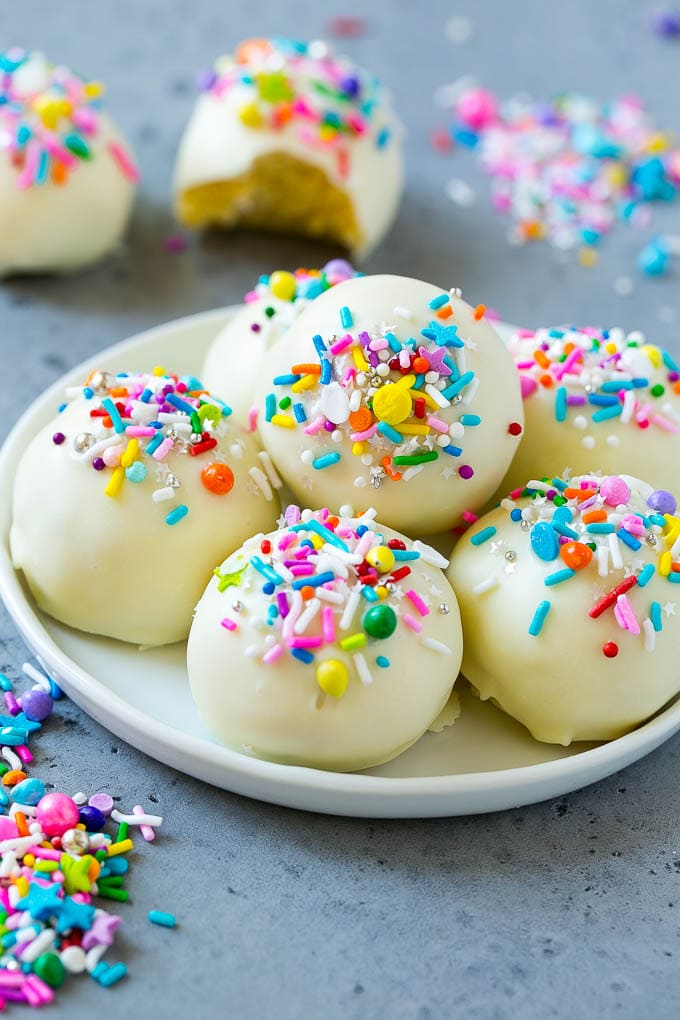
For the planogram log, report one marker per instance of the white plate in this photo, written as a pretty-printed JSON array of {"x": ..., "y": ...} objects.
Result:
[{"x": 486, "y": 762}]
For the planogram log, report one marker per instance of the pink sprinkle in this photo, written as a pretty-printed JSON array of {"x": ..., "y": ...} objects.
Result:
[
  {"x": 24, "y": 753},
  {"x": 229, "y": 624},
  {"x": 437, "y": 423},
  {"x": 664, "y": 423},
  {"x": 274, "y": 653},
  {"x": 412, "y": 623},
  {"x": 470, "y": 518},
  {"x": 288, "y": 539},
  {"x": 328, "y": 624},
  {"x": 139, "y": 431},
  {"x": 405, "y": 358},
  {"x": 164, "y": 448},
  {"x": 252, "y": 419},
  {"x": 341, "y": 344},
  {"x": 527, "y": 386},
  {"x": 11, "y": 703},
  {"x": 380, "y": 344},
  {"x": 305, "y": 642},
  {"x": 125, "y": 164},
  {"x": 292, "y": 515},
  {"x": 415, "y": 598},
  {"x": 147, "y": 831},
  {"x": 44, "y": 854},
  {"x": 569, "y": 362},
  {"x": 314, "y": 426},
  {"x": 441, "y": 140},
  {"x": 625, "y": 616},
  {"x": 25, "y": 178},
  {"x": 358, "y": 437}
]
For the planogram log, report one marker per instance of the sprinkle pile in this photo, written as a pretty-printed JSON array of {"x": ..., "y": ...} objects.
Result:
[
  {"x": 49, "y": 117},
  {"x": 318, "y": 573},
  {"x": 392, "y": 398},
  {"x": 285, "y": 295},
  {"x": 568, "y": 169},
  {"x": 55, "y": 859},
  {"x": 605, "y": 376},
  {"x": 614, "y": 525},
  {"x": 282, "y": 83},
  {"x": 142, "y": 422}
]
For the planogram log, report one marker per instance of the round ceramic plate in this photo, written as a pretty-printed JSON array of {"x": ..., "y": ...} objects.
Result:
[{"x": 485, "y": 762}]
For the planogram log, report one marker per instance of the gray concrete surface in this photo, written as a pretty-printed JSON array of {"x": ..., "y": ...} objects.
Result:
[{"x": 564, "y": 909}]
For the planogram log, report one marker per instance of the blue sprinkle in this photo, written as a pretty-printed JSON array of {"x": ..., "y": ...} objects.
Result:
[
  {"x": 655, "y": 616},
  {"x": 327, "y": 460},
  {"x": 368, "y": 593},
  {"x": 382, "y": 661},
  {"x": 561, "y": 516},
  {"x": 88, "y": 393},
  {"x": 346, "y": 319},
  {"x": 453, "y": 451},
  {"x": 483, "y": 536},
  {"x": 181, "y": 405},
  {"x": 470, "y": 420},
  {"x": 561, "y": 403},
  {"x": 539, "y": 618},
  {"x": 395, "y": 344},
  {"x": 286, "y": 380},
  {"x": 544, "y": 541},
  {"x": 319, "y": 346},
  {"x": 558, "y": 577},
  {"x": 559, "y": 484},
  {"x": 154, "y": 443},
  {"x": 146, "y": 395},
  {"x": 303, "y": 655},
  {"x": 269, "y": 406},
  {"x": 657, "y": 519},
  {"x": 315, "y": 581},
  {"x": 438, "y": 302},
  {"x": 630, "y": 540},
  {"x": 602, "y": 528},
  {"x": 669, "y": 362},
  {"x": 608, "y": 412},
  {"x": 389, "y": 433},
  {"x": 405, "y": 554},
  {"x": 267, "y": 572},
  {"x": 600, "y": 400},
  {"x": 269, "y": 588},
  {"x": 5, "y": 683},
  {"x": 383, "y": 137},
  {"x": 645, "y": 575},
  {"x": 177, "y": 514},
  {"x": 460, "y": 384},
  {"x": 160, "y": 917},
  {"x": 516, "y": 514},
  {"x": 325, "y": 533},
  {"x": 299, "y": 412},
  {"x": 326, "y": 373},
  {"x": 112, "y": 411},
  {"x": 136, "y": 472},
  {"x": 613, "y": 386},
  {"x": 673, "y": 577}
]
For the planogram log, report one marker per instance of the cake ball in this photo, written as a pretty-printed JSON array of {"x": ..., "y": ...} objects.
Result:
[
  {"x": 125, "y": 501},
  {"x": 333, "y": 642},
  {"x": 392, "y": 393},
  {"x": 285, "y": 136},
  {"x": 568, "y": 600},
  {"x": 596, "y": 400},
  {"x": 236, "y": 356},
  {"x": 67, "y": 179}
]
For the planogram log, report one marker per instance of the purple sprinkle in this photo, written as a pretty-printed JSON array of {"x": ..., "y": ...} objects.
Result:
[
  {"x": 256, "y": 327},
  {"x": 174, "y": 244},
  {"x": 673, "y": 376},
  {"x": 206, "y": 80},
  {"x": 282, "y": 603},
  {"x": 98, "y": 464},
  {"x": 465, "y": 471},
  {"x": 576, "y": 400},
  {"x": 58, "y": 438},
  {"x": 666, "y": 22},
  {"x": 329, "y": 426}
]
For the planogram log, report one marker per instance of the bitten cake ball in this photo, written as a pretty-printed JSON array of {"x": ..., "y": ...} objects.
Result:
[
  {"x": 67, "y": 179},
  {"x": 568, "y": 599},
  {"x": 389, "y": 392},
  {"x": 127, "y": 499},
  {"x": 596, "y": 401},
  {"x": 333, "y": 643},
  {"x": 288, "y": 137},
  {"x": 238, "y": 354}
]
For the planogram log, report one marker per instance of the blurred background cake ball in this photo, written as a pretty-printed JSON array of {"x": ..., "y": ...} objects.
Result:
[
  {"x": 596, "y": 400},
  {"x": 125, "y": 502},
  {"x": 67, "y": 178},
  {"x": 286, "y": 136},
  {"x": 568, "y": 601},
  {"x": 333, "y": 642},
  {"x": 238, "y": 354},
  {"x": 389, "y": 392}
]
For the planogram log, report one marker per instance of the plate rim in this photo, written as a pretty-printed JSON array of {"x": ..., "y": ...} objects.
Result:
[{"x": 289, "y": 783}]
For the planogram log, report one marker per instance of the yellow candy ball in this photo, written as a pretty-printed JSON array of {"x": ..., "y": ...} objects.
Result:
[
  {"x": 392, "y": 404},
  {"x": 381, "y": 591},
  {"x": 381, "y": 558},
  {"x": 332, "y": 677},
  {"x": 250, "y": 115},
  {"x": 282, "y": 285},
  {"x": 654, "y": 355}
]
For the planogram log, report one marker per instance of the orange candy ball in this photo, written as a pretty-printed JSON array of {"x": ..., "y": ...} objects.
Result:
[
  {"x": 361, "y": 420},
  {"x": 218, "y": 478},
  {"x": 420, "y": 365},
  {"x": 576, "y": 555}
]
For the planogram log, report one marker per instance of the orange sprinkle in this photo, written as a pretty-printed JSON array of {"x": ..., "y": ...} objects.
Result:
[
  {"x": 594, "y": 515},
  {"x": 307, "y": 592},
  {"x": 106, "y": 421},
  {"x": 576, "y": 555},
  {"x": 542, "y": 358},
  {"x": 118, "y": 391},
  {"x": 568, "y": 347},
  {"x": 480, "y": 312},
  {"x": 394, "y": 475},
  {"x": 579, "y": 494},
  {"x": 59, "y": 173},
  {"x": 445, "y": 312},
  {"x": 676, "y": 386},
  {"x": 218, "y": 478},
  {"x": 93, "y": 870},
  {"x": 546, "y": 380},
  {"x": 21, "y": 824},
  {"x": 332, "y": 522},
  {"x": 306, "y": 369},
  {"x": 675, "y": 568},
  {"x": 13, "y": 777},
  {"x": 361, "y": 420}
]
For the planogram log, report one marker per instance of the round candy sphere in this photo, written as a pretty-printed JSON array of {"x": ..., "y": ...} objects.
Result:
[
  {"x": 8, "y": 829},
  {"x": 56, "y": 813},
  {"x": 36, "y": 704},
  {"x": 93, "y": 819}
]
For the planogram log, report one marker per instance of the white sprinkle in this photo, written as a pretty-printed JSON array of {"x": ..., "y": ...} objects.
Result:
[
  {"x": 37, "y": 677},
  {"x": 287, "y": 627},
  {"x": 628, "y": 406},
  {"x": 508, "y": 504},
  {"x": 471, "y": 391},
  {"x": 159, "y": 495},
  {"x": 488, "y": 584},
  {"x": 430, "y": 555},
  {"x": 260, "y": 479},
  {"x": 460, "y": 193},
  {"x": 236, "y": 450},
  {"x": 328, "y": 596},
  {"x": 649, "y": 634},
  {"x": 12, "y": 759},
  {"x": 623, "y": 286},
  {"x": 439, "y": 400},
  {"x": 362, "y": 669},
  {"x": 40, "y": 944},
  {"x": 603, "y": 560},
  {"x": 675, "y": 548},
  {"x": 79, "y": 798},
  {"x": 580, "y": 422},
  {"x": 304, "y": 619},
  {"x": 615, "y": 550},
  {"x": 350, "y": 610},
  {"x": 368, "y": 517},
  {"x": 412, "y": 471},
  {"x": 152, "y": 820},
  {"x": 251, "y": 652},
  {"x": 270, "y": 470},
  {"x": 436, "y": 646},
  {"x": 459, "y": 28},
  {"x": 359, "y": 482},
  {"x": 94, "y": 956},
  {"x": 19, "y": 845},
  {"x": 403, "y": 313},
  {"x": 9, "y": 865},
  {"x": 613, "y": 441},
  {"x": 588, "y": 442}
]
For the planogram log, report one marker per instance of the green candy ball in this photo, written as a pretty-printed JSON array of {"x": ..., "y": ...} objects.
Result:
[
  {"x": 49, "y": 967},
  {"x": 380, "y": 621}
]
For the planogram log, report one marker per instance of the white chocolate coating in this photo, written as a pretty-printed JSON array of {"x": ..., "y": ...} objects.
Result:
[
  {"x": 50, "y": 227},
  {"x": 111, "y": 565},
  {"x": 644, "y": 438},
  {"x": 218, "y": 146},
  {"x": 430, "y": 496},
  {"x": 559, "y": 683},
  {"x": 277, "y": 710}
]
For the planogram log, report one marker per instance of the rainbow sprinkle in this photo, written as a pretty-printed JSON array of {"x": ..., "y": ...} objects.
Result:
[
  {"x": 329, "y": 583},
  {"x": 49, "y": 118},
  {"x": 283, "y": 84}
]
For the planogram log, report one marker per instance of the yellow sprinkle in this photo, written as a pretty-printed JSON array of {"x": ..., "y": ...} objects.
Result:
[
  {"x": 415, "y": 430},
  {"x": 358, "y": 449},
  {"x": 654, "y": 355},
  {"x": 131, "y": 451},
  {"x": 587, "y": 257},
  {"x": 115, "y": 483},
  {"x": 381, "y": 591},
  {"x": 359, "y": 359},
  {"x": 159, "y": 370},
  {"x": 316, "y": 541},
  {"x": 671, "y": 529},
  {"x": 284, "y": 421},
  {"x": 29, "y": 860},
  {"x": 250, "y": 115},
  {"x": 120, "y": 848},
  {"x": 406, "y": 381},
  {"x": 94, "y": 89},
  {"x": 610, "y": 347},
  {"x": 22, "y": 885},
  {"x": 657, "y": 143},
  {"x": 427, "y": 398},
  {"x": 665, "y": 562},
  {"x": 308, "y": 382}
]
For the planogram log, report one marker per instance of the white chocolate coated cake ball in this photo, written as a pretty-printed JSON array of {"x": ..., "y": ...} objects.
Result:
[
  {"x": 332, "y": 643},
  {"x": 287, "y": 137},
  {"x": 125, "y": 502},
  {"x": 236, "y": 357},
  {"x": 568, "y": 601},
  {"x": 596, "y": 400},
  {"x": 391, "y": 393},
  {"x": 67, "y": 179}
]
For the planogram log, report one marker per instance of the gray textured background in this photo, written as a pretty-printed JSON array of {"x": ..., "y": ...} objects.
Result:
[{"x": 564, "y": 909}]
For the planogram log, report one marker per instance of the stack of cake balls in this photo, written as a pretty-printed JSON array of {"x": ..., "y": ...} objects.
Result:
[{"x": 375, "y": 410}]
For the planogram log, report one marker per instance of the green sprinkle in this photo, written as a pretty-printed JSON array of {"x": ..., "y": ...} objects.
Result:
[
  {"x": 354, "y": 641},
  {"x": 657, "y": 390},
  {"x": 122, "y": 832},
  {"x": 417, "y": 458},
  {"x": 107, "y": 893},
  {"x": 285, "y": 403}
]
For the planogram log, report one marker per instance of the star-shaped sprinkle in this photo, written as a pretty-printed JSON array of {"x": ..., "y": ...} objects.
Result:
[
  {"x": 76, "y": 872},
  {"x": 74, "y": 915},
  {"x": 397, "y": 593},
  {"x": 281, "y": 521},
  {"x": 230, "y": 580},
  {"x": 447, "y": 473},
  {"x": 101, "y": 931},
  {"x": 669, "y": 608},
  {"x": 510, "y": 568},
  {"x": 443, "y": 336},
  {"x": 435, "y": 356},
  {"x": 43, "y": 901},
  {"x": 496, "y": 546}
]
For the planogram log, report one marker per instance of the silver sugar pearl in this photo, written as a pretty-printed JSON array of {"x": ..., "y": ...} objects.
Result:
[
  {"x": 443, "y": 608},
  {"x": 100, "y": 382},
  {"x": 237, "y": 606},
  {"x": 196, "y": 437},
  {"x": 524, "y": 525},
  {"x": 172, "y": 481},
  {"x": 75, "y": 841},
  {"x": 457, "y": 399},
  {"x": 83, "y": 442},
  {"x": 511, "y": 555},
  {"x": 170, "y": 433},
  {"x": 376, "y": 481},
  {"x": 651, "y": 540}
]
